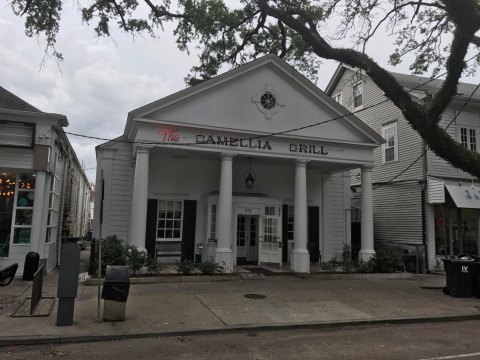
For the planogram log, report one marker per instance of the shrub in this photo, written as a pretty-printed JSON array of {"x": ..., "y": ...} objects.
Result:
[
  {"x": 347, "y": 264},
  {"x": 153, "y": 266},
  {"x": 366, "y": 266},
  {"x": 386, "y": 261},
  {"x": 330, "y": 265},
  {"x": 136, "y": 259},
  {"x": 185, "y": 267},
  {"x": 210, "y": 267},
  {"x": 112, "y": 254}
]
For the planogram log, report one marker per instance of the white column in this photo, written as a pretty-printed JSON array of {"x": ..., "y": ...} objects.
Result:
[
  {"x": 367, "y": 249},
  {"x": 140, "y": 199},
  {"x": 224, "y": 253},
  {"x": 300, "y": 256},
  {"x": 38, "y": 208}
]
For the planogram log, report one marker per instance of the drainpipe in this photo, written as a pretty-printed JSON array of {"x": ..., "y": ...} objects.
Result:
[{"x": 424, "y": 208}]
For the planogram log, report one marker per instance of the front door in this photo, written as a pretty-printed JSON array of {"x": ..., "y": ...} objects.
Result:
[{"x": 247, "y": 238}]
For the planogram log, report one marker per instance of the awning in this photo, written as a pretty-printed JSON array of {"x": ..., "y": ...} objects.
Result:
[{"x": 466, "y": 197}]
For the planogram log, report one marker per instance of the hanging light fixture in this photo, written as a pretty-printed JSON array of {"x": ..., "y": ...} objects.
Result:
[{"x": 250, "y": 175}]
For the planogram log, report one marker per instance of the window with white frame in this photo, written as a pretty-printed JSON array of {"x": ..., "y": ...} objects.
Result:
[
  {"x": 170, "y": 219},
  {"x": 468, "y": 138},
  {"x": 358, "y": 95},
  {"x": 271, "y": 224},
  {"x": 390, "y": 148},
  {"x": 338, "y": 98},
  {"x": 23, "y": 211}
]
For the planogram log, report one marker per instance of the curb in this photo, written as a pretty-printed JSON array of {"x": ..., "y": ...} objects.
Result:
[
  {"x": 357, "y": 276},
  {"x": 178, "y": 279},
  {"x": 174, "y": 279},
  {"x": 38, "y": 340}
]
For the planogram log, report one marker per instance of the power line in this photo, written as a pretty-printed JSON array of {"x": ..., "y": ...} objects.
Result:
[
  {"x": 427, "y": 147},
  {"x": 349, "y": 113}
]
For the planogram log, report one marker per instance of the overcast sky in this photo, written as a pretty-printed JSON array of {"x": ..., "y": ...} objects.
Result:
[{"x": 99, "y": 81}]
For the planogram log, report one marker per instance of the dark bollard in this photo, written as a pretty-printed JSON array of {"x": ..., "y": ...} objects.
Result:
[
  {"x": 31, "y": 266},
  {"x": 68, "y": 283}
]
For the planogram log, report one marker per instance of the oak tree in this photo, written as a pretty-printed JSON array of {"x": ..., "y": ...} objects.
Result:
[{"x": 439, "y": 35}]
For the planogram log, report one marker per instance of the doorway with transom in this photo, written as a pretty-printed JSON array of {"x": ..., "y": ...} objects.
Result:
[{"x": 247, "y": 239}]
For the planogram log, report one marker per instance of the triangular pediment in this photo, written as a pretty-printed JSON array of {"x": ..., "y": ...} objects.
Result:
[{"x": 266, "y": 96}]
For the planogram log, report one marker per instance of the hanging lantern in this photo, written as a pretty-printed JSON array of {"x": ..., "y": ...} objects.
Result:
[{"x": 250, "y": 176}]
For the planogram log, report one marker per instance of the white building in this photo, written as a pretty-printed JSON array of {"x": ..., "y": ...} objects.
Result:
[
  {"x": 420, "y": 200},
  {"x": 43, "y": 190},
  {"x": 175, "y": 182}
]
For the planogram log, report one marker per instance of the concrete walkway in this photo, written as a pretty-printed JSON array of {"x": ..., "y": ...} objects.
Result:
[{"x": 163, "y": 309}]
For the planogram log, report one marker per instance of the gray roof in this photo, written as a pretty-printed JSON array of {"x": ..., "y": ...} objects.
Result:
[
  {"x": 12, "y": 102},
  {"x": 421, "y": 83}
]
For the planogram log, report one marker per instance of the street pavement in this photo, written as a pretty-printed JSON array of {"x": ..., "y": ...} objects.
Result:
[{"x": 218, "y": 304}]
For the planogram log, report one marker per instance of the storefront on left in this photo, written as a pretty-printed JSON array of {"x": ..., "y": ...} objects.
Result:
[{"x": 36, "y": 178}]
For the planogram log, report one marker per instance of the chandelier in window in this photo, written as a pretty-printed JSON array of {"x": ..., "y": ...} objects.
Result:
[{"x": 7, "y": 185}]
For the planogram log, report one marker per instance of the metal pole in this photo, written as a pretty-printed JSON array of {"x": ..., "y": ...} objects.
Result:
[
  {"x": 99, "y": 274},
  {"x": 445, "y": 240},
  {"x": 99, "y": 271}
]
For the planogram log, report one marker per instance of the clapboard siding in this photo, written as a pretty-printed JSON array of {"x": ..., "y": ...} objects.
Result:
[
  {"x": 397, "y": 205},
  {"x": 334, "y": 210},
  {"x": 16, "y": 158},
  {"x": 398, "y": 213},
  {"x": 382, "y": 112},
  {"x": 121, "y": 191},
  {"x": 436, "y": 191},
  {"x": 436, "y": 165}
]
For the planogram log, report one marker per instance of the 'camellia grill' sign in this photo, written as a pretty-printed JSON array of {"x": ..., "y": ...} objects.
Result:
[{"x": 171, "y": 135}]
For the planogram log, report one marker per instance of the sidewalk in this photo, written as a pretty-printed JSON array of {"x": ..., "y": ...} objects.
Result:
[{"x": 279, "y": 301}]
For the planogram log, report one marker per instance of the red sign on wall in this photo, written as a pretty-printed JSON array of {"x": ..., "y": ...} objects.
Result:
[{"x": 170, "y": 135}]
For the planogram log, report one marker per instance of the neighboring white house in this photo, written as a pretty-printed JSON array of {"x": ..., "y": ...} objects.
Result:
[
  {"x": 235, "y": 169},
  {"x": 44, "y": 192},
  {"x": 431, "y": 204}
]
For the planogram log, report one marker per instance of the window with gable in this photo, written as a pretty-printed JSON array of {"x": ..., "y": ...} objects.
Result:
[
  {"x": 338, "y": 98},
  {"x": 358, "y": 95}
]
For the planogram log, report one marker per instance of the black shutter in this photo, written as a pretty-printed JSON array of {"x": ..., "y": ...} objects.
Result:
[
  {"x": 314, "y": 233},
  {"x": 284, "y": 233},
  {"x": 188, "y": 231},
  {"x": 151, "y": 229}
]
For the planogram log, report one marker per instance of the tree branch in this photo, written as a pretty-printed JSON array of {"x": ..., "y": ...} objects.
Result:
[
  {"x": 163, "y": 13},
  {"x": 426, "y": 125}
]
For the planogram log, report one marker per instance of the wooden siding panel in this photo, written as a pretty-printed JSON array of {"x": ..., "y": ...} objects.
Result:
[
  {"x": 436, "y": 165},
  {"x": 398, "y": 213},
  {"x": 379, "y": 112},
  {"x": 334, "y": 208},
  {"x": 121, "y": 191},
  {"x": 16, "y": 158},
  {"x": 436, "y": 191}
]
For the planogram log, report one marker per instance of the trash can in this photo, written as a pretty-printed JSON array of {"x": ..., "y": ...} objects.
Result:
[
  {"x": 31, "y": 265},
  {"x": 460, "y": 277},
  {"x": 115, "y": 292},
  {"x": 476, "y": 275}
]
